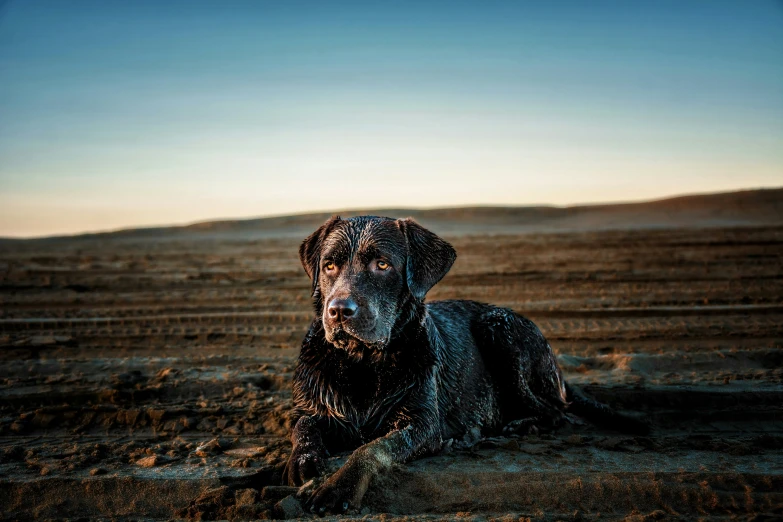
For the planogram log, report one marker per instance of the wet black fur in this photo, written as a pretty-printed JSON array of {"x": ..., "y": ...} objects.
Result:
[{"x": 450, "y": 369}]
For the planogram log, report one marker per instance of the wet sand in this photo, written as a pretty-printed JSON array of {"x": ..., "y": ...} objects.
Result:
[{"x": 150, "y": 378}]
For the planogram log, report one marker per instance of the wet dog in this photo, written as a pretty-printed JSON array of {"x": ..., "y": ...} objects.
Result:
[{"x": 392, "y": 378}]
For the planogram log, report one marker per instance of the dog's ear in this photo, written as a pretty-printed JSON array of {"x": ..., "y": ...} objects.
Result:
[
  {"x": 310, "y": 249},
  {"x": 429, "y": 257}
]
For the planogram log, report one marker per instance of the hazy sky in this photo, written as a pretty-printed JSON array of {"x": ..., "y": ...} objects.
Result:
[{"x": 117, "y": 114}]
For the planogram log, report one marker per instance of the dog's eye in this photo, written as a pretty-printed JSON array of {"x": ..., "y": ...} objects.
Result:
[
  {"x": 382, "y": 265},
  {"x": 329, "y": 266}
]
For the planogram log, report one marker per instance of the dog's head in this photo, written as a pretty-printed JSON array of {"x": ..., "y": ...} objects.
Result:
[{"x": 366, "y": 270}]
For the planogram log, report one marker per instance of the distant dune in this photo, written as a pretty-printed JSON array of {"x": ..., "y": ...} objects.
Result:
[{"x": 734, "y": 209}]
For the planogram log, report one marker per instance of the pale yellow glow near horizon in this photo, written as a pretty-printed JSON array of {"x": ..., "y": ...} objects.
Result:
[
  {"x": 444, "y": 162},
  {"x": 161, "y": 203}
]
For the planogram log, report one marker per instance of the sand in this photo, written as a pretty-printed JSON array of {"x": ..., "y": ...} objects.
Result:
[{"x": 150, "y": 378}]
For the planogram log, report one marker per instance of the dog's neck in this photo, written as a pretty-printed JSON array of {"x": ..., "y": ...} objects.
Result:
[{"x": 411, "y": 314}]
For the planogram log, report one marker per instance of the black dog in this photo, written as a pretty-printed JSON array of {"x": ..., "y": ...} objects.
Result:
[{"x": 383, "y": 372}]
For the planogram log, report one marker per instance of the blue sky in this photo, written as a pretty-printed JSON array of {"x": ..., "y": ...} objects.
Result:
[{"x": 118, "y": 114}]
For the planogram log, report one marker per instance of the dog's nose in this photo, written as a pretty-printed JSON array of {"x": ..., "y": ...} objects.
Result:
[{"x": 342, "y": 309}]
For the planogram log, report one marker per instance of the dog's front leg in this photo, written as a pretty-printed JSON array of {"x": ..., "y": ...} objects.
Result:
[
  {"x": 308, "y": 456},
  {"x": 417, "y": 431},
  {"x": 345, "y": 489}
]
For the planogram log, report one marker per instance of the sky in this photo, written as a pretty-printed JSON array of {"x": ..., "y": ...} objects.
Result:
[{"x": 122, "y": 114}]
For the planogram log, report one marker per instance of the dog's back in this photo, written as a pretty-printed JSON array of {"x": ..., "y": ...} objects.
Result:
[{"x": 488, "y": 353}]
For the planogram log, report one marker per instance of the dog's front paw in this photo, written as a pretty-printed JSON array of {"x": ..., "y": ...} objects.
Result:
[
  {"x": 302, "y": 466},
  {"x": 341, "y": 492},
  {"x": 527, "y": 426}
]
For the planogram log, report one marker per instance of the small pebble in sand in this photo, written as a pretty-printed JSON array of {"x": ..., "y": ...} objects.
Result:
[
  {"x": 246, "y": 497},
  {"x": 610, "y": 443},
  {"x": 45, "y": 471},
  {"x": 305, "y": 488},
  {"x": 212, "y": 447},
  {"x": 289, "y": 507},
  {"x": 149, "y": 462},
  {"x": 511, "y": 445}
]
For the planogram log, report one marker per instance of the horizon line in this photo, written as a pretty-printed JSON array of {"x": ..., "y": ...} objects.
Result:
[{"x": 188, "y": 224}]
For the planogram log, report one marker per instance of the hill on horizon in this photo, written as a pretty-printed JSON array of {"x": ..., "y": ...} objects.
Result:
[{"x": 755, "y": 207}]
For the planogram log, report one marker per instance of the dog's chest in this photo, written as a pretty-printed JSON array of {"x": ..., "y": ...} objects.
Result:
[{"x": 359, "y": 396}]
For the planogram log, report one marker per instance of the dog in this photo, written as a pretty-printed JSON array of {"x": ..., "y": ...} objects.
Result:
[{"x": 393, "y": 378}]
